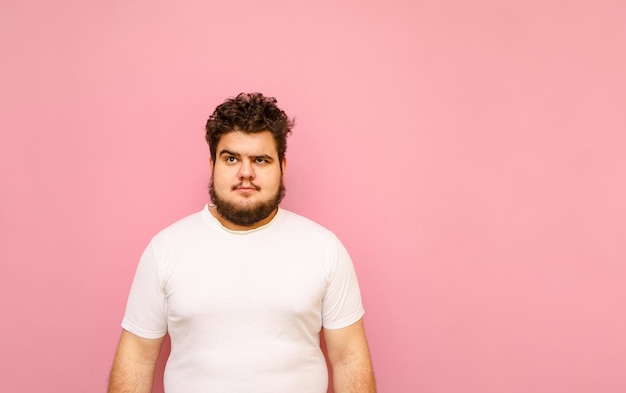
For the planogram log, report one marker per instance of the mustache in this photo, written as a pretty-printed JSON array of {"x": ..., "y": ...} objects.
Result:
[{"x": 239, "y": 185}]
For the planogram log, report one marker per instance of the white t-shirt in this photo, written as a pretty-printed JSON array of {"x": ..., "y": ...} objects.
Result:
[{"x": 244, "y": 309}]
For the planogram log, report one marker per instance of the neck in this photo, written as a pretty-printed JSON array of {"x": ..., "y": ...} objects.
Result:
[{"x": 235, "y": 227}]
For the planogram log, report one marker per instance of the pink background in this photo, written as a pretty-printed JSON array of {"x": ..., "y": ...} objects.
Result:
[{"x": 470, "y": 154}]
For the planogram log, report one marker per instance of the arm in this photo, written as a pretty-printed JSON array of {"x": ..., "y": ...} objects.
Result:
[
  {"x": 349, "y": 356},
  {"x": 135, "y": 360}
]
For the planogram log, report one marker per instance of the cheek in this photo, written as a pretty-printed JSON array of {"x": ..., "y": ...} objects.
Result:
[
  {"x": 275, "y": 180},
  {"x": 221, "y": 177}
]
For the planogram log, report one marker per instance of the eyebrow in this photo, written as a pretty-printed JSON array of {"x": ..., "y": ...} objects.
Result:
[
  {"x": 230, "y": 153},
  {"x": 265, "y": 157}
]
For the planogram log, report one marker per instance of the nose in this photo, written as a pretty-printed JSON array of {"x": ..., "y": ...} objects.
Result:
[{"x": 246, "y": 171}]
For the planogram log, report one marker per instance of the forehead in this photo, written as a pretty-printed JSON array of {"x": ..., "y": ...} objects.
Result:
[{"x": 256, "y": 143}]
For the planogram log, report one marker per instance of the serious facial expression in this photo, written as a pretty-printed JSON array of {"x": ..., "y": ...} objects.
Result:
[{"x": 246, "y": 184}]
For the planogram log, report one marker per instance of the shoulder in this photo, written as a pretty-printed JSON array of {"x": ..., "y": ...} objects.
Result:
[
  {"x": 297, "y": 229},
  {"x": 185, "y": 228},
  {"x": 294, "y": 221}
]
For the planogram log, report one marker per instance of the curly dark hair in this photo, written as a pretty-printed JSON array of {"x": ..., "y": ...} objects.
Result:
[{"x": 249, "y": 113}]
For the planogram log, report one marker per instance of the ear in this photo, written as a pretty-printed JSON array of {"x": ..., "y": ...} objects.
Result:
[
  {"x": 283, "y": 166},
  {"x": 211, "y": 163}
]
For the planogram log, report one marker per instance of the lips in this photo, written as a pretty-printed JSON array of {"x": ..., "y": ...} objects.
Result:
[{"x": 246, "y": 187}]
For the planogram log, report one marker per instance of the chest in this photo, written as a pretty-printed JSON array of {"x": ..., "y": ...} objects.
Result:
[{"x": 256, "y": 282}]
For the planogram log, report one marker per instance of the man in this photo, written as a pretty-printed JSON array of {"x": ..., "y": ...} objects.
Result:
[{"x": 243, "y": 287}]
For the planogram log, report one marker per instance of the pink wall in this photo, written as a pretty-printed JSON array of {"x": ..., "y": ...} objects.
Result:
[{"x": 469, "y": 153}]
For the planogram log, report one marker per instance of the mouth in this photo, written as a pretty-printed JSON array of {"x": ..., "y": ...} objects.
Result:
[{"x": 247, "y": 187}]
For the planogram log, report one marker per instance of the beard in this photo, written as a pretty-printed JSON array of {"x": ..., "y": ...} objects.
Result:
[{"x": 246, "y": 215}]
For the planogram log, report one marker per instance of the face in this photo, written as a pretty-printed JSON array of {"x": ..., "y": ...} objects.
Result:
[{"x": 247, "y": 180}]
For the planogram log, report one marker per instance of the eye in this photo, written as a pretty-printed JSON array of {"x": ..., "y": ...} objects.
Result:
[
  {"x": 231, "y": 160},
  {"x": 260, "y": 160}
]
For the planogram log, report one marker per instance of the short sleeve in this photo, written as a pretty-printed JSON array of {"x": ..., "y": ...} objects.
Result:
[
  {"x": 146, "y": 310},
  {"x": 342, "y": 304}
]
